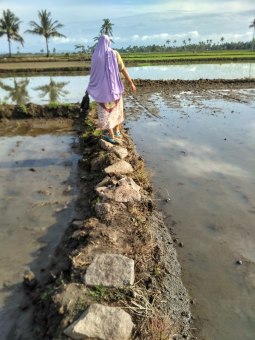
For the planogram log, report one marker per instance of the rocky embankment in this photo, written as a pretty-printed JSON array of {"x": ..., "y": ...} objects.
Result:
[{"x": 115, "y": 274}]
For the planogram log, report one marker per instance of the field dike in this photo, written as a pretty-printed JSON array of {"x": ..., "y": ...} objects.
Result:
[{"x": 115, "y": 274}]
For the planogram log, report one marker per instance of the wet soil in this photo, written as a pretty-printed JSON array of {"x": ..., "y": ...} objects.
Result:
[
  {"x": 82, "y": 64},
  {"x": 31, "y": 110},
  {"x": 33, "y": 67},
  {"x": 176, "y": 86}
]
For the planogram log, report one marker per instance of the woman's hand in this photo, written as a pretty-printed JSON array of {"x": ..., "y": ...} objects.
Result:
[{"x": 133, "y": 87}]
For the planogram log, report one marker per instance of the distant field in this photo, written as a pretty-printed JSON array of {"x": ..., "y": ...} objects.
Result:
[
  {"x": 190, "y": 56},
  {"x": 70, "y": 63}
]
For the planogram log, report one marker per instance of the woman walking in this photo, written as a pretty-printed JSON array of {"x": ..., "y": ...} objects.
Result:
[{"x": 106, "y": 87}]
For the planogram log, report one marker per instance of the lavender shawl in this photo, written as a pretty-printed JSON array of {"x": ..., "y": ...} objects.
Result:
[{"x": 105, "y": 84}]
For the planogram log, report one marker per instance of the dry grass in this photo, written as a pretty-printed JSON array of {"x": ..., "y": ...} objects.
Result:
[{"x": 159, "y": 328}]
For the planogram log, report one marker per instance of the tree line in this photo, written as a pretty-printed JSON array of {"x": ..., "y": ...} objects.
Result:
[
  {"x": 48, "y": 28},
  {"x": 192, "y": 48}
]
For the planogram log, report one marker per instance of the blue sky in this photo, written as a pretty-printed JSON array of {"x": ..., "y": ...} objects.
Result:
[{"x": 136, "y": 22}]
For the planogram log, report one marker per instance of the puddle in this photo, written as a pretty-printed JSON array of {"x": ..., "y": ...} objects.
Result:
[
  {"x": 37, "y": 190},
  {"x": 200, "y": 152}
]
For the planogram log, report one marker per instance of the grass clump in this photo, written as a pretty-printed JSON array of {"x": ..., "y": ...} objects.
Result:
[
  {"x": 54, "y": 105},
  {"x": 22, "y": 108},
  {"x": 98, "y": 292}
]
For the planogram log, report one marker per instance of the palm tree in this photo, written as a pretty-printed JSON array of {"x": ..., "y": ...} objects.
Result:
[
  {"x": 9, "y": 25},
  {"x": 81, "y": 48},
  {"x": 17, "y": 93},
  {"x": 54, "y": 90},
  {"x": 168, "y": 43},
  {"x": 252, "y": 25},
  {"x": 47, "y": 27},
  {"x": 106, "y": 29},
  {"x": 222, "y": 40},
  {"x": 189, "y": 40}
]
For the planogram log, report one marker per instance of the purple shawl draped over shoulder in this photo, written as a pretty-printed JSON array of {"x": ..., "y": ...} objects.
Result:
[{"x": 105, "y": 84}]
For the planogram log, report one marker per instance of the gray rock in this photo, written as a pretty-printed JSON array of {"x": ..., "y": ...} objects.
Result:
[
  {"x": 101, "y": 322},
  {"x": 120, "y": 152},
  {"x": 119, "y": 168},
  {"x": 110, "y": 270},
  {"x": 105, "y": 145},
  {"x": 125, "y": 190}
]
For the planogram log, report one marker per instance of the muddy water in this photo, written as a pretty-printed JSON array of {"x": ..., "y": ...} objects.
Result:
[
  {"x": 200, "y": 152},
  {"x": 37, "y": 189}
]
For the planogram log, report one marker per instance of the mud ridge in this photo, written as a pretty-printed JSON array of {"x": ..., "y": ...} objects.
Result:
[{"x": 157, "y": 302}]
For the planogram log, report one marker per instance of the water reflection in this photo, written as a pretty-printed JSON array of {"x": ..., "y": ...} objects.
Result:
[
  {"x": 54, "y": 90},
  {"x": 18, "y": 93},
  {"x": 200, "y": 160},
  {"x": 50, "y": 89}
]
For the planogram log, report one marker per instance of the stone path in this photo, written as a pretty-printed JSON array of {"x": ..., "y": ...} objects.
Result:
[{"x": 109, "y": 270}]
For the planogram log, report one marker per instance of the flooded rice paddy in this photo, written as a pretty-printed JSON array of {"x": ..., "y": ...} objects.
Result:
[
  {"x": 199, "y": 149},
  {"x": 37, "y": 190},
  {"x": 70, "y": 89}
]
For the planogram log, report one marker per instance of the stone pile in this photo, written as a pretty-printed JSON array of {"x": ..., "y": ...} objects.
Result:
[{"x": 109, "y": 269}]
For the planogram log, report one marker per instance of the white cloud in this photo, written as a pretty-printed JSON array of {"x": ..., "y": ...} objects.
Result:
[
  {"x": 62, "y": 40},
  {"x": 197, "y": 6},
  {"x": 135, "y": 37},
  {"x": 66, "y": 41},
  {"x": 161, "y": 36}
]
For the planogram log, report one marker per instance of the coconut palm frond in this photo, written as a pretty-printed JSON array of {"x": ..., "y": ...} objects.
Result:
[
  {"x": 9, "y": 26},
  {"x": 46, "y": 27}
]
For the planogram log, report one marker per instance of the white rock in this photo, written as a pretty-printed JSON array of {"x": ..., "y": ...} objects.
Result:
[
  {"x": 110, "y": 270},
  {"x": 101, "y": 322},
  {"x": 125, "y": 190},
  {"x": 120, "y": 152},
  {"x": 119, "y": 168}
]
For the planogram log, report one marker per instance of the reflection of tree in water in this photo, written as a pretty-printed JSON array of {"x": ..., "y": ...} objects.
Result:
[
  {"x": 54, "y": 90},
  {"x": 17, "y": 93}
]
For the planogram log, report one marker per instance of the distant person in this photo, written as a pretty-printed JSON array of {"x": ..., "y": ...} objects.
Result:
[{"x": 106, "y": 88}]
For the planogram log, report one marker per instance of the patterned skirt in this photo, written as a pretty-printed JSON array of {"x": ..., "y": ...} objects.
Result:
[{"x": 110, "y": 114}]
